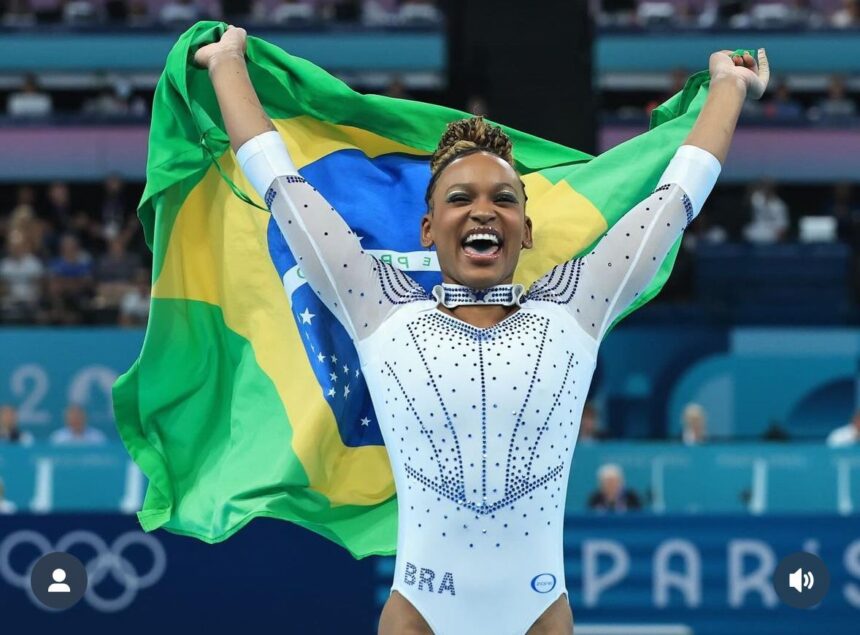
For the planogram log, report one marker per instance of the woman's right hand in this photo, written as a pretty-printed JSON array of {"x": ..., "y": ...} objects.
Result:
[{"x": 232, "y": 42}]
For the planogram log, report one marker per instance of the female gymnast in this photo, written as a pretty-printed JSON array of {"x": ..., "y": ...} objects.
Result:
[{"x": 479, "y": 385}]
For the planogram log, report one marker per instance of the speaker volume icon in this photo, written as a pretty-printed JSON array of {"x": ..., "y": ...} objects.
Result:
[{"x": 800, "y": 580}]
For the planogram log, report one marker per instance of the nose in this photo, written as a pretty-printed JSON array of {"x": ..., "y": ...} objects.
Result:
[{"x": 481, "y": 216}]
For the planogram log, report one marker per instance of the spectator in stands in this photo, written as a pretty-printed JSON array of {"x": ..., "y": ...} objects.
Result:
[
  {"x": 17, "y": 14},
  {"x": 846, "y": 435},
  {"x": 846, "y": 211},
  {"x": 837, "y": 105},
  {"x": 6, "y": 506},
  {"x": 29, "y": 101},
  {"x": 611, "y": 495},
  {"x": 9, "y": 431},
  {"x": 59, "y": 208},
  {"x": 589, "y": 427},
  {"x": 396, "y": 88},
  {"x": 114, "y": 207},
  {"x": 114, "y": 100},
  {"x": 782, "y": 106},
  {"x": 477, "y": 105},
  {"x": 134, "y": 306},
  {"x": 694, "y": 422},
  {"x": 76, "y": 431},
  {"x": 770, "y": 218},
  {"x": 617, "y": 12},
  {"x": 848, "y": 17},
  {"x": 180, "y": 13},
  {"x": 418, "y": 13},
  {"x": 138, "y": 14},
  {"x": 70, "y": 283},
  {"x": 21, "y": 280},
  {"x": 286, "y": 12}
]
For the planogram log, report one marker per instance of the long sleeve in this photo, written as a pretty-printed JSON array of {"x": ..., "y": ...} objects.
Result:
[
  {"x": 597, "y": 287},
  {"x": 358, "y": 288}
]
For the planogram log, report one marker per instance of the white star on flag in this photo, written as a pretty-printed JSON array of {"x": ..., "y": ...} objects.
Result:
[
  {"x": 356, "y": 372},
  {"x": 333, "y": 376},
  {"x": 321, "y": 357},
  {"x": 345, "y": 368},
  {"x": 365, "y": 421},
  {"x": 346, "y": 391},
  {"x": 331, "y": 392},
  {"x": 334, "y": 359},
  {"x": 307, "y": 316}
]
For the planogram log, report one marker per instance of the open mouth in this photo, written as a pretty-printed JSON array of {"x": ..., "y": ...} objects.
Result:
[{"x": 482, "y": 243}]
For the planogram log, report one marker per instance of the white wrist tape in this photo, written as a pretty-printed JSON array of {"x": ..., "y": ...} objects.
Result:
[
  {"x": 695, "y": 170},
  {"x": 263, "y": 159}
]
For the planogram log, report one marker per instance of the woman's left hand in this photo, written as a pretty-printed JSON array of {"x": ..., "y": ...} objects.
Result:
[{"x": 754, "y": 75}]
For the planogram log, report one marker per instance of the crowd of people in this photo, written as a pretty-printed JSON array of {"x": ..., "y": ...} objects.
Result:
[
  {"x": 63, "y": 264},
  {"x": 181, "y": 13},
  {"x": 734, "y": 14}
]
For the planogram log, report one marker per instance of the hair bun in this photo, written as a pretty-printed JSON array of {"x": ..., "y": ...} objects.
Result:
[{"x": 468, "y": 134}]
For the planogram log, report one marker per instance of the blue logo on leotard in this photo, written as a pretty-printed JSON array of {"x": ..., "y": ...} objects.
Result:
[{"x": 543, "y": 582}]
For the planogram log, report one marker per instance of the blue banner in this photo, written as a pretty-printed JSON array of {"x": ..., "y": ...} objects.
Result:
[{"x": 704, "y": 575}]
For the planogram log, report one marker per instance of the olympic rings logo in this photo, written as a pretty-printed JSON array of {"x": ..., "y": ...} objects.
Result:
[{"x": 108, "y": 560}]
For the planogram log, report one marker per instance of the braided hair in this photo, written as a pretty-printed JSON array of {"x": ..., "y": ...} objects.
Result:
[{"x": 464, "y": 137}]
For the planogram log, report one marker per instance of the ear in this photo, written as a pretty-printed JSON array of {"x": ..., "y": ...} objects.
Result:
[
  {"x": 426, "y": 230},
  {"x": 527, "y": 234}
]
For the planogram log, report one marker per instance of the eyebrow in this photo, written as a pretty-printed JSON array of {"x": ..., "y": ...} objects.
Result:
[{"x": 470, "y": 186}]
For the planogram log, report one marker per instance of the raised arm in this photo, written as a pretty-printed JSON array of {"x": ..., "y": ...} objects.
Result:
[
  {"x": 599, "y": 286},
  {"x": 358, "y": 288}
]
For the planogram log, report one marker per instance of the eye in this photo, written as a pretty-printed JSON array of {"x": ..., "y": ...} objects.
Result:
[
  {"x": 457, "y": 197},
  {"x": 507, "y": 197}
]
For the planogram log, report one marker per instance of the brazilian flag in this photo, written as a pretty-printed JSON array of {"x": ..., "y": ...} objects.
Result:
[{"x": 230, "y": 410}]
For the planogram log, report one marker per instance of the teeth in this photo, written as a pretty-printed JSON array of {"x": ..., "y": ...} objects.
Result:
[{"x": 491, "y": 237}]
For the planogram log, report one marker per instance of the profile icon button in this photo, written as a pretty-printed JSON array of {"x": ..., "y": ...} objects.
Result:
[
  {"x": 801, "y": 580},
  {"x": 58, "y": 580}
]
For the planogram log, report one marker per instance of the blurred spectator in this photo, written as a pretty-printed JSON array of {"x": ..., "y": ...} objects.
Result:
[
  {"x": 287, "y": 12},
  {"x": 9, "y": 430},
  {"x": 114, "y": 208},
  {"x": 29, "y": 101},
  {"x": 695, "y": 424},
  {"x": 805, "y": 13},
  {"x": 115, "y": 100},
  {"x": 21, "y": 280},
  {"x": 618, "y": 12},
  {"x": 418, "y": 13},
  {"x": 782, "y": 106},
  {"x": 477, "y": 105},
  {"x": 396, "y": 89},
  {"x": 837, "y": 104},
  {"x": 846, "y": 435},
  {"x": 117, "y": 265},
  {"x": 59, "y": 208},
  {"x": 180, "y": 13},
  {"x": 589, "y": 426},
  {"x": 375, "y": 13},
  {"x": 6, "y": 506},
  {"x": 611, "y": 495},
  {"x": 138, "y": 13},
  {"x": 70, "y": 284},
  {"x": 235, "y": 11},
  {"x": 77, "y": 12},
  {"x": 848, "y": 17},
  {"x": 76, "y": 431},
  {"x": 134, "y": 306},
  {"x": 116, "y": 11},
  {"x": 770, "y": 216},
  {"x": 17, "y": 14},
  {"x": 846, "y": 211}
]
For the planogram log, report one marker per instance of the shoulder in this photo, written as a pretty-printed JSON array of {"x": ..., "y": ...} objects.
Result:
[
  {"x": 558, "y": 285},
  {"x": 396, "y": 285}
]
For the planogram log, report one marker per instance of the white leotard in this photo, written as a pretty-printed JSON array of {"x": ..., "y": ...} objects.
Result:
[{"x": 480, "y": 423}]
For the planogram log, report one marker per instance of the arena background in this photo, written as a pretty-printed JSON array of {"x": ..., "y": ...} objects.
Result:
[{"x": 755, "y": 339}]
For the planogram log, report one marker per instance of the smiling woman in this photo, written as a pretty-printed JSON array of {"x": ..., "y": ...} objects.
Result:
[{"x": 478, "y": 386}]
